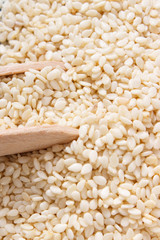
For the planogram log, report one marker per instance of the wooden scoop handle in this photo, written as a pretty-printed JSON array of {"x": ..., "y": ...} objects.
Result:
[
  {"x": 16, "y": 68},
  {"x": 27, "y": 139}
]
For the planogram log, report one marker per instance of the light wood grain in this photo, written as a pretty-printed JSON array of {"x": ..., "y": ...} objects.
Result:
[
  {"x": 16, "y": 68},
  {"x": 34, "y": 138}
]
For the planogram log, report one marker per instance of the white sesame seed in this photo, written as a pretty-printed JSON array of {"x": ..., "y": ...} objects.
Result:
[
  {"x": 60, "y": 104},
  {"x": 100, "y": 180},
  {"x": 84, "y": 206},
  {"x": 134, "y": 211},
  {"x": 104, "y": 193},
  {"x": 92, "y": 156},
  {"x": 86, "y": 168},
  {"x": 12, "y": 213},
  {"x": 124, "y": 192},
  {"x": 75, "y": 167},
  {"x": 55, "y": 190},
  {"x": 60, "y": 228}
]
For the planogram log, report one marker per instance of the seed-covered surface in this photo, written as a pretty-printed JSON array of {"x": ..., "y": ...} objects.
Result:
[{"x": 105, "y": 185}]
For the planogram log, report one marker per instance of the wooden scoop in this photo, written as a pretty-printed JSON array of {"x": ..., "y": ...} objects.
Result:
[
  {"x": 33, "y": 138},
  {"x": 16, "y": 68},
  {"x": 27, "y": 139}
]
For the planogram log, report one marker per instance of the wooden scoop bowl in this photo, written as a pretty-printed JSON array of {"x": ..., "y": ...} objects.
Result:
[{"x": 27, "y": 139}]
